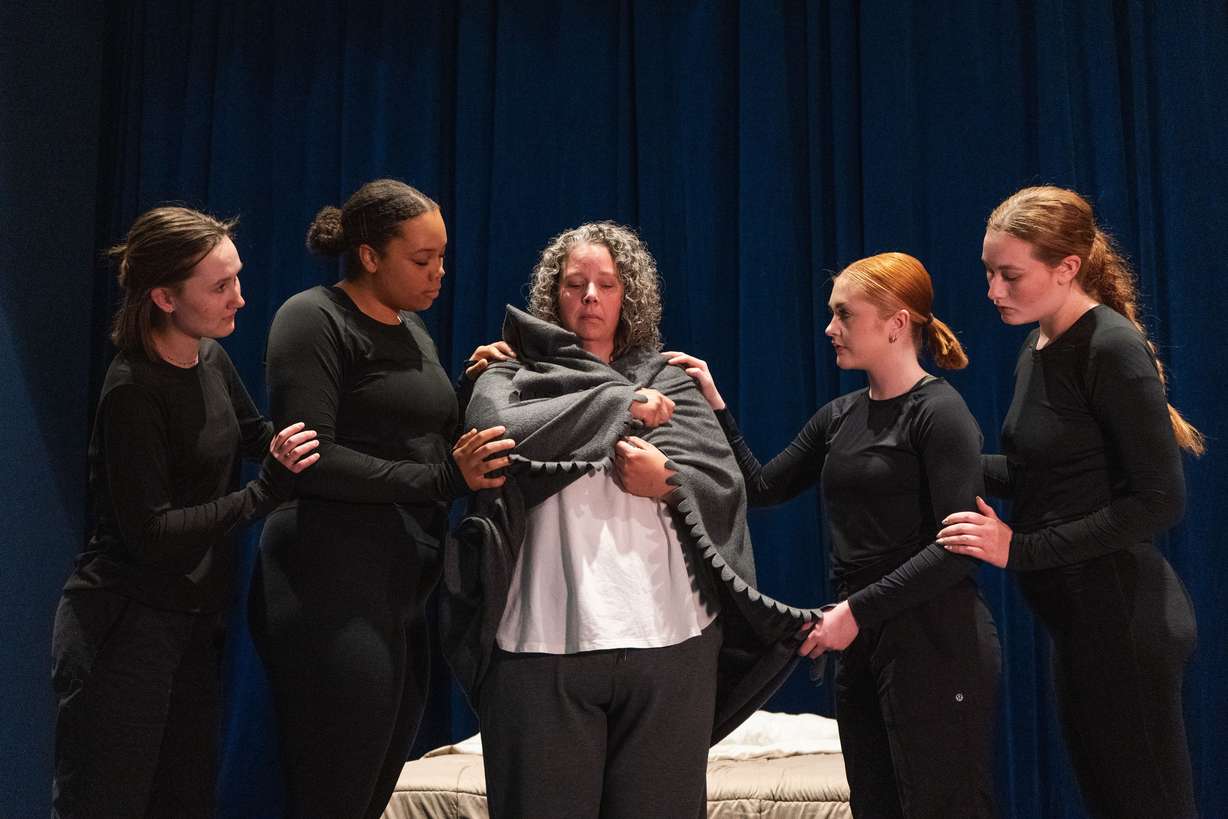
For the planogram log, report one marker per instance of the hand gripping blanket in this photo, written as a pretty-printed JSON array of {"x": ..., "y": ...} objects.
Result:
[{"x": 566, "y": 410}]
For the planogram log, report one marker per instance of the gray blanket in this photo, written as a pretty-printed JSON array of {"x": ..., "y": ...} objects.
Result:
[{"x": 566, "y": 409}]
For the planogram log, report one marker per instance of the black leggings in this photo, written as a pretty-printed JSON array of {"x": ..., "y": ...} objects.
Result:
[
  {"x": 137, "y": 728},
  {"x": 916, "y": 704},
  {"x": 337, "y": 614},
  {"x": 1123, "y": 629}
]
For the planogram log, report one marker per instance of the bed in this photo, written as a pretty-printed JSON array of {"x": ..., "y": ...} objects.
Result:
[{"x": 774, "y": 766}]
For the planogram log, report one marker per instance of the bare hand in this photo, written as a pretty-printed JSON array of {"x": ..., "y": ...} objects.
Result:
[
  {"x": 698, "y": 370},
  {"x": 834, "y": 632},
  {"x": 655, "y": 410},
  {"x": 294, "y": 447},
  {"x": 982, "y": 536},
  {"x": 471, "y": 452},
  {"x": 486, "y": 353},
  {"x": 640, "y": 469}
]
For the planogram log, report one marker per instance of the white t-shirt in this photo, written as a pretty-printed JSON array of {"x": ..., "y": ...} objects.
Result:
[{"x": 600, "y": 569}]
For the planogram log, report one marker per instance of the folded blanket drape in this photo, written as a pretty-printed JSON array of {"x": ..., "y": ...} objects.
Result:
[{"x": 566, "y": 409}]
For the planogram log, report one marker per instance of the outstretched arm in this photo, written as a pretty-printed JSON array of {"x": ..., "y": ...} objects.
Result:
[{"x": 786, "y": 475}]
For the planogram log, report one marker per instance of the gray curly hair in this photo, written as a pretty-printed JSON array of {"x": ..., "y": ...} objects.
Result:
[{"x": 639, "y": 322}]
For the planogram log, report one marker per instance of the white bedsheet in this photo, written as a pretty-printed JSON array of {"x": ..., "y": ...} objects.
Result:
[{"x": 764, "y": 735}]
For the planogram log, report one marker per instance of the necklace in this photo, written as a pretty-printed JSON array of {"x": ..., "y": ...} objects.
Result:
[
  {"x": 187, "y": 365},
  {"x": 178, "y": 362}
]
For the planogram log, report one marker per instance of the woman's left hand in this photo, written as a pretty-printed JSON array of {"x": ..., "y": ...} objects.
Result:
[
  {"x": 294, "y": 447},
  {"x": 640, "y": 469},
  {"x": 697, "y": 368},
  {"x": 486, "y": 353},
  {"x": 834, "y": 632},
  {"x": 983, "y": 536}
]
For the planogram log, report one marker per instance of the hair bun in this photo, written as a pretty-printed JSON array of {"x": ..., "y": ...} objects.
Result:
[{"x": 326, "y": 237}]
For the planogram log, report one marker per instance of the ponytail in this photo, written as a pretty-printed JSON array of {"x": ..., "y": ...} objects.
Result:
[
  {"x": 943, "y": 345},
  {"x": 1108, "y": 278}
]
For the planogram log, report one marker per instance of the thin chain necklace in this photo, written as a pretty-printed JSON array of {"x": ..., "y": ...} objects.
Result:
[{"x": 187, "y": 365}]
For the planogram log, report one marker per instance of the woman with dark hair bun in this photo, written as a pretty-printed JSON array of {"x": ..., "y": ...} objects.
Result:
[
  {"x": 337, "y": 607},
  {"x": 138, "y": 630},
  {"x": 917, "y": 678},
  {"x": 1091, "y": 458}
]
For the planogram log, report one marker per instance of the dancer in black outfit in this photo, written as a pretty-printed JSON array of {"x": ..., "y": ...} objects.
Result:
[
  {"x": 138, "y": 629},
  {"x": 1091, "y": 459},
  {"x": 337, "y": 606},
  {"x": 916, "y": 685}
]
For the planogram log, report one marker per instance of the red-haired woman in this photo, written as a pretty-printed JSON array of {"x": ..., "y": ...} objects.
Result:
[
  {"x": 917, "y": 680},
  {"x": 1091, "y": 459}
]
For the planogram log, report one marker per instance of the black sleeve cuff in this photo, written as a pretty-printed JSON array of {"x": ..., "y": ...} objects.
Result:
[
  {"x": 728, "y": 423},
  {"x": 453, "y": 480},
  {"x": 278, "y": 479}
]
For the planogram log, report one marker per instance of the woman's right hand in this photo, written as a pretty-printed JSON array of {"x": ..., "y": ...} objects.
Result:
[
  {"x": 698, "y": 370},
  {"x": 655, "y": 410},
  {"x": 294, "y": 447},
  {"x": 471, "y": 452}
]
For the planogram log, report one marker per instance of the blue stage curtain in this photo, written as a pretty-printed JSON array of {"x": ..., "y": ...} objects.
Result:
[{"x": 757, "y": 147}]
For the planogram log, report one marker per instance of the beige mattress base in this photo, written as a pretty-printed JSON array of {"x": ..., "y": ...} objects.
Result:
[{"x": 812, "y": 786}]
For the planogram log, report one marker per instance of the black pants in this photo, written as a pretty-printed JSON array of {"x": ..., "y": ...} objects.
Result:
[
  {"x": 916, "y": 704},
  {"x": 1123, "y": 628},
  {"x": 138, "y": 722},
  {"x": 337, "y": 615},
  {"x": 618, "y": 734}
]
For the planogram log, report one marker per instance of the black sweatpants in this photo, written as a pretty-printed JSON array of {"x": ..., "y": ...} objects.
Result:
[
  {"x": 337, "y": 615},
  {"x": 617, "y": 734},
  {"x": 916, "y": 705},
  {"x": 137, "y": 727},
  {"x": 1123, "y": 629}
]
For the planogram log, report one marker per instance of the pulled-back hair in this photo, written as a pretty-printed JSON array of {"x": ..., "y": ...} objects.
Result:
[
  {"x": 162, "y": 247},
  {"x": 1058, "y": 223},
  {"x": 894, "y": 281},
  {"x": 639, "y": 321},
  {"x": 372, "y": 216}
]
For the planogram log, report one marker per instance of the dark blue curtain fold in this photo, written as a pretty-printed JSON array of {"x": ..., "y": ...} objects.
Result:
[{"x": 758, "y": 147}]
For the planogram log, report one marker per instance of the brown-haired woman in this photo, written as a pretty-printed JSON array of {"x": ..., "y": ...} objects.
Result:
[
  {"x": 916, "y": 684},
  {"x": 1091, "y": 459},
  {"x": 338, "y": 601},
  {"x": 137, "y": 632}
]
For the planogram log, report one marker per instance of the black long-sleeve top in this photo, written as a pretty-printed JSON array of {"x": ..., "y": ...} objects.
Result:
[
  {"x": 888, "y": 471},
  {"x": 1089, "y": 456},
  {"x": 164, "y": 474},
  {"x": 380, "y": 402}
]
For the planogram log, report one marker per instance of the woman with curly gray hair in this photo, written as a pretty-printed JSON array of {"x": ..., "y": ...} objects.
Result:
[
  {"x": 584, "y": 594},
  {"x": 640, "y": 318}
]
